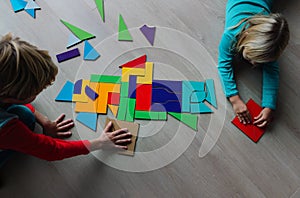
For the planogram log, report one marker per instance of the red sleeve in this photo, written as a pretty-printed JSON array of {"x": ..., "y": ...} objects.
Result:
[
  {"x": 16, "y": 136},
  {"x": 29, "y": 106}
]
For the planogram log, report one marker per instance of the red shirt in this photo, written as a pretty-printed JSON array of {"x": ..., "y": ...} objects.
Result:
[{"x": 15, "y": 135}]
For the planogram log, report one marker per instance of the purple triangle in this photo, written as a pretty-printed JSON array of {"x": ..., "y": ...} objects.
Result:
[{"x": 149, "y": 33}]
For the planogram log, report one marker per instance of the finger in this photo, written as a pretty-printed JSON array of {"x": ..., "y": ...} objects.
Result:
[
  {"x": 261, "y": 119},
  {"x": 65, "y": 122},
  {"x": 121, "y": 147},
  {"x": 123, "y": 141},
  {"x": 66, "y": 127},
  {"x": 259, "y": 116},
  {"x": 60, "y": 118},
  {"x": 121, "y": 136},
  {"x": 264, "y": 123},
  {"x": 63, "y": 134},
  {"x": 119, "y": 131},
  {"x": 108, "y": 126}
]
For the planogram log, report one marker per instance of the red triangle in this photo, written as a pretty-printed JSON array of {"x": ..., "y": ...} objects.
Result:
[
  {"x": 136, "y": 63},
  {"x": 252, "y": 131}
]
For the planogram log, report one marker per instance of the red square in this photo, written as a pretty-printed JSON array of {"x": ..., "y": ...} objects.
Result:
[{"x": 252, "y": 131}]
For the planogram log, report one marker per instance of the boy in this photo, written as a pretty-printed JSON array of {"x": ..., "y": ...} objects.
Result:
[{"x": 25, "y": 71}]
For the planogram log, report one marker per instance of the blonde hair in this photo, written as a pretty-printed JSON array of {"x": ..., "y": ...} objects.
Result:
[
  {"x": 25, "y": 70},
  {"x": 264, "y": 37}
]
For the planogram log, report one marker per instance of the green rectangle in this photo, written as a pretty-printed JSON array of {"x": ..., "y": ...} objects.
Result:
[
  {"x": 124, "y": 89},
  {"x": 105, "y": 78},
  {"x": 162, "y": 115},
  {"x": 122, "y": 109},
  {"x": 130, "y": 110},
  {"x": 147, "y": 115}
]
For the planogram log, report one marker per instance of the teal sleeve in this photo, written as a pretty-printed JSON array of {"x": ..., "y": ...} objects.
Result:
[
  {"x": 225, "y": 67},
  {"x": 270, "y": 85}
]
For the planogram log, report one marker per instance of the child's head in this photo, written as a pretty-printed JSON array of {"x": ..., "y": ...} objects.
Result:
[
  {"x": 25, "y": 70},
  {"x": 263, "y": 38}
]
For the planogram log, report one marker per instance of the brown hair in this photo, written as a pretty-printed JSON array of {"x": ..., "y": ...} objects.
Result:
[{"x": 25, "y": 70}]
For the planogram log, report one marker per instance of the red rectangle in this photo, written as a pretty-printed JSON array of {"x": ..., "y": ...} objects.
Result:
[
  {"x": 143, "y": 97},
  {"x": 113, "y": 98},
  {"x": 252, "y": 131}
]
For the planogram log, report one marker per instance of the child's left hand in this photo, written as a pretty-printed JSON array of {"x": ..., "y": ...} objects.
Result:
[
  {"x": 264, "y": 117},
  {"x": 59, "y": 128}
]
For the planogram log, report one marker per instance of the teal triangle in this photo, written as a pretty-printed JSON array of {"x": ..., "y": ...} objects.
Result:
[
  {"x": 18, "y": 5},
  {"x": 66, "y": 92},
  {"x": 31, "y": 12},
  {"x": 88, "y": 119},
  {"x": 73, "y": 40},
  {"x": 89, "y": 52}
]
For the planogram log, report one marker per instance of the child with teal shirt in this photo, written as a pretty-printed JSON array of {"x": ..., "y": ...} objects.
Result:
[{"x": 259, "y": 36}]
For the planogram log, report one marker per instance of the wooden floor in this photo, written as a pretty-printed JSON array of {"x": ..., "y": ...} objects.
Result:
[{"x": 171, "y": 160}]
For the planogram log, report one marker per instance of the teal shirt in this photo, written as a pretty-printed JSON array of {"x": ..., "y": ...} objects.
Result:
[{"x": 236, "y": 10}]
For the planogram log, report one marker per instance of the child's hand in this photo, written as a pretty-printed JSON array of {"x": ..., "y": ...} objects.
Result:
[
  {"x": 111, "y": 139},
  {"x": 241, "y": 110},
  {"x": 59, "y": 128},
  {"x": 264, "y": 117}
]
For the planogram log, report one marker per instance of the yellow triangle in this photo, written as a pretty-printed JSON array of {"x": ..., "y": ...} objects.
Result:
[{"x": 114, "y": 109}]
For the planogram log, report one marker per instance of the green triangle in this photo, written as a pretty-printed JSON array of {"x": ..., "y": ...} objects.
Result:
[
  {"x": 100, "y": 7},
  {"x": 188, "y": 119},
  {"x": 124, "y": 34},
  {"x": 79, "y": 33}
]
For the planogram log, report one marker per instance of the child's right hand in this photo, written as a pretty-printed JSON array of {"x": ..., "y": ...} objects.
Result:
[
  {"x": 240, "y": 109},
  {"x": 118, "y": 139}
]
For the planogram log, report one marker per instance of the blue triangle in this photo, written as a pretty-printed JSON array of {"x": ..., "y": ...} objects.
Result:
[
  {"x": 73, "y": 40},
  {"x": 18, "y": 5},
  {"x": 88, "y": 119},
  {"x": 31, "y": 12},
  {"x": 66, "y": 92},
  {"x": 89, "y": 52}
]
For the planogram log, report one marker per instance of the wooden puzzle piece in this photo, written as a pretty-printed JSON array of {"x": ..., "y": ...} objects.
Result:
[
  {"x": 126, "y": 72},
  {"x": 143, "y": 97},
  {"x": 66, "y": 92},
  {"x": 105, "y": 79},
  {"x": 18, "y": 5},
  {"x": 211, "y": 96},
  {"x": 89, "y": 52},
  {"x": 88, "y": 119},
  {"x": 251, "y": 130},
  {"x": 124, "y": 34},
  {"x": 79, "y": 94},
  {"x": 147, "y": 78},
  {"x": 104, "y": 89},
  {"x": 68, "y": 55},
  {"x": 133, "y": 128},
  {"x": 114, "y": 109},
  {"x": 136, "y": 63},
  {"x": 132, "y": 87},
  {"x": 100, "y": 7},
  {"x": 90, "y": 105},
  {"x": 188, "y": 119},
  {"x": 72, "y": 40},
  {"x": 149, "y": 33},
  {"x": 79, "y": 33}
]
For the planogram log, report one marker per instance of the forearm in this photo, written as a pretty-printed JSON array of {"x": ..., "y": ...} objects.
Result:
[{"x": 41, "y": 119}]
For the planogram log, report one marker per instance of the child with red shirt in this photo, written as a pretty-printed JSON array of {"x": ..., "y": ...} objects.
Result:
[{"x": 25, "y": 71}]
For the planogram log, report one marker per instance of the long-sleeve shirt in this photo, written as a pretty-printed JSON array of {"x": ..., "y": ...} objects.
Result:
[
  {"x": 14, "y": 135},
  {"x": 237, "y": 10}
]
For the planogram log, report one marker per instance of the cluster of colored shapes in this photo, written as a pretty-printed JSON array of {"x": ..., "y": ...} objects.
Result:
[
  {"x": 252, "y": 131},
  {"x": 29, "y": 6},
  {"x": 135, "y": 95}
]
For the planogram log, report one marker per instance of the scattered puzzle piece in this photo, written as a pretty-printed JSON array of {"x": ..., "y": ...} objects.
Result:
[
  {"x": 31, "y": 12},
  {"x": 100, "y": 7},
  {"x": 124, "y": 34},
  {"x": 73, "y": 40},
  {"x": 88, "y": 119},
  {"x": 251, "y": 130},
  {"x": 68, "y": 55},
  {"x": 18, "y": 5},
  {"x": 89, "y": 52},
  {"x": 149, "y": 33},
  {"x": 66, "y": 92},
  {"x": 79, "y": 33},
  {"x": 32, "y": 5}
]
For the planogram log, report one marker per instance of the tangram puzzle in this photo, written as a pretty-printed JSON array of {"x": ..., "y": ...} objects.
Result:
[{"x": 136, "y": 95}]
